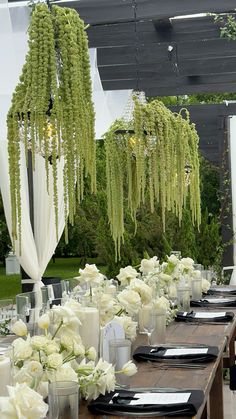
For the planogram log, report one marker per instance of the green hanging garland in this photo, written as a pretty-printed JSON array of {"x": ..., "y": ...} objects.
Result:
[
  {"x": 152, "y": 162},
  {"x": 52, "y": 110}
]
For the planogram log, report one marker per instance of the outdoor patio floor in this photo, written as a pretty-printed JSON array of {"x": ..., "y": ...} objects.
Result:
[{"x": 229, "y": 403}]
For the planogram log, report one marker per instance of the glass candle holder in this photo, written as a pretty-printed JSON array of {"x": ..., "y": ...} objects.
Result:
[
  {"x": 63, "y": 400},
  {"x": 196, "y": 288}
]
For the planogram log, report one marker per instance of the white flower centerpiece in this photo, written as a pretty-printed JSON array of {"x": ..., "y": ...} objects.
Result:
[{"x": 58, "y": 354}]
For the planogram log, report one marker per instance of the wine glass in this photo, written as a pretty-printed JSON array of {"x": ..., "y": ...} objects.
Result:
[{"x": 148, "y": 320}]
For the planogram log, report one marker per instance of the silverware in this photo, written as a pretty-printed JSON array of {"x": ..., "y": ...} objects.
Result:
[
  {"x": 181, "y": 366},
  {"x": 177, "y": 365}
]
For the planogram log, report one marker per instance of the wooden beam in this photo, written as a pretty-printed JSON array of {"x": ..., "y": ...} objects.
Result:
[
  {"x": 184, "y": 89},
  {"x": 103, "y": 11},
  {"x": 120, "y": 34},
  {"x": 199, "y": 67},
  {"x": 164, "y": 9},
  {"x": 207, "y": 66},
  {"x": 172, "y": 86},
  {"x": 110, "y": 11},
  {"x": 154, "y": 53}
]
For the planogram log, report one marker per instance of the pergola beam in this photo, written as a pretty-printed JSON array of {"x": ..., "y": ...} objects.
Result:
[{"x": 103, "y": 11}]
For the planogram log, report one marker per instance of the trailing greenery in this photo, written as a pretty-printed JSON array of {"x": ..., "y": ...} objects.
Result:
[
  {"x": 151, "y": 160},
  {"x": 52, "y": 110},
  {"x": 228, "y": 25}
]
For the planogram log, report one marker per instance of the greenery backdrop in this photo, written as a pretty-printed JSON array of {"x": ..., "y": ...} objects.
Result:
[{"x": 90, "y": 237}]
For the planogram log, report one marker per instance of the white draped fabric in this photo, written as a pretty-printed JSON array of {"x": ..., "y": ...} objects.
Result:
[
  {"x": 38, "y": 246},
  {"x": 232, "y": 146}
]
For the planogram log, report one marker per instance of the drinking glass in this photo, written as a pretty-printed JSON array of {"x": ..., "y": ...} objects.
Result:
[
  {"x": 63, "y": 400},
  {"x": 119, "y": 352},
  {"x": 158, "y": 335},
  {"x": 183, "y": 293},
  {"x": 6, "y": 310},
  {"x": 148, "y": 320}
]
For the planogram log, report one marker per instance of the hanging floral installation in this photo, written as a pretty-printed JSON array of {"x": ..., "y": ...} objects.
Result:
[
  {"x": 154, "y": 155},
  {"x": 52, "y": 111}
]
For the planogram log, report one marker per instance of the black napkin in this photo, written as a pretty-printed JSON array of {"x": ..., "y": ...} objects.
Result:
[
  {"x": 118, "y": 402},
  {"x": 229, "y": 302},
  {"x": 157, "y": 353},
  {"x": 190, "y": 317},
  {"x": 222, "y": 290}
]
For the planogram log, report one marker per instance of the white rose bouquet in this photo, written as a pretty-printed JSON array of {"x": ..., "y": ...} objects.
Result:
[{"x": 23, "y": 402}]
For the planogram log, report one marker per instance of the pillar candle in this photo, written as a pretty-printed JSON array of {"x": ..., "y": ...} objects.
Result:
[
  {"x": 90, "y": 327},
  {"x": 5, "y": 374}
]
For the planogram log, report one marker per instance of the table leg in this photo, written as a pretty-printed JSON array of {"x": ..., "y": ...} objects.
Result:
[
  {"x": 204, "y": 412},
  {"x": 216, "y": 394}
]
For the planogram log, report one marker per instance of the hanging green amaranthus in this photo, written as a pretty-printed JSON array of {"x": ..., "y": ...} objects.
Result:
[
  {"x": 52, "y": 110},
  {"x": 151, "y": 161}
]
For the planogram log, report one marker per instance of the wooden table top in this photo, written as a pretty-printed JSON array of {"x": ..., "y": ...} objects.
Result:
[{"x": 152, "y": 375}]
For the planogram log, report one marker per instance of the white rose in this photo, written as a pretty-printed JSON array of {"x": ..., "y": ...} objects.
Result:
[
  {"x": 91, "y": 353},
  {"x": 129, "y": 369},
  {"x": 130, "y": 327},
  {"x": 101, "y": 380},
  {"x": 162, "y": 304},
  {"x": 205, "y": 285},
  {"x": 148, "y": 265},
  {"x": 69, "y": 338},
  {"x": 129, "y": 300},
  {"x": 173, "y": 259},
  {"x": 187, "y": 262},
  {"x": 91, "y": 274},
  {"x": 39, "y": 342},
  {"x": 66, "y": 315},
  {"x": 34, "y": 368},
  {"x": 19, "y": 328},
  {"x": 78, "y": 349},
  {"x": 44, "y": 322},
  {"x": 164, "y": 277},
  {"x": 52, "y": 347},
  {"x": 126, "y": 274},
  {"x": 143, "y": 289},
  {"x": 74, "y": 306},
  {"x": 54, "y": 361},
  {"x": 196, "y": 274},
  {"x": 65, "y": 373},
  {"x": 21, "y": 349},
  {"x": 26, "y": 403}
]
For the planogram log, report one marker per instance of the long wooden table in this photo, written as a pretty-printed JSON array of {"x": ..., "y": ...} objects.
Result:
[{"x": 209, "y": 379}]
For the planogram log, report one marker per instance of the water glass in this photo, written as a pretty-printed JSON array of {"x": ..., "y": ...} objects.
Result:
[
  {"x": 63, "y": 400},
  {"x": 183, "y": 294},
  {"x": 6, "y": 310},
  {"x": 158, "y": 335},
  {"x": 119, "y": 352},
  {"x": 23, "y": 306},
  {"x": 148, "y": 320},
  {"x": 196, "y": 288}
]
